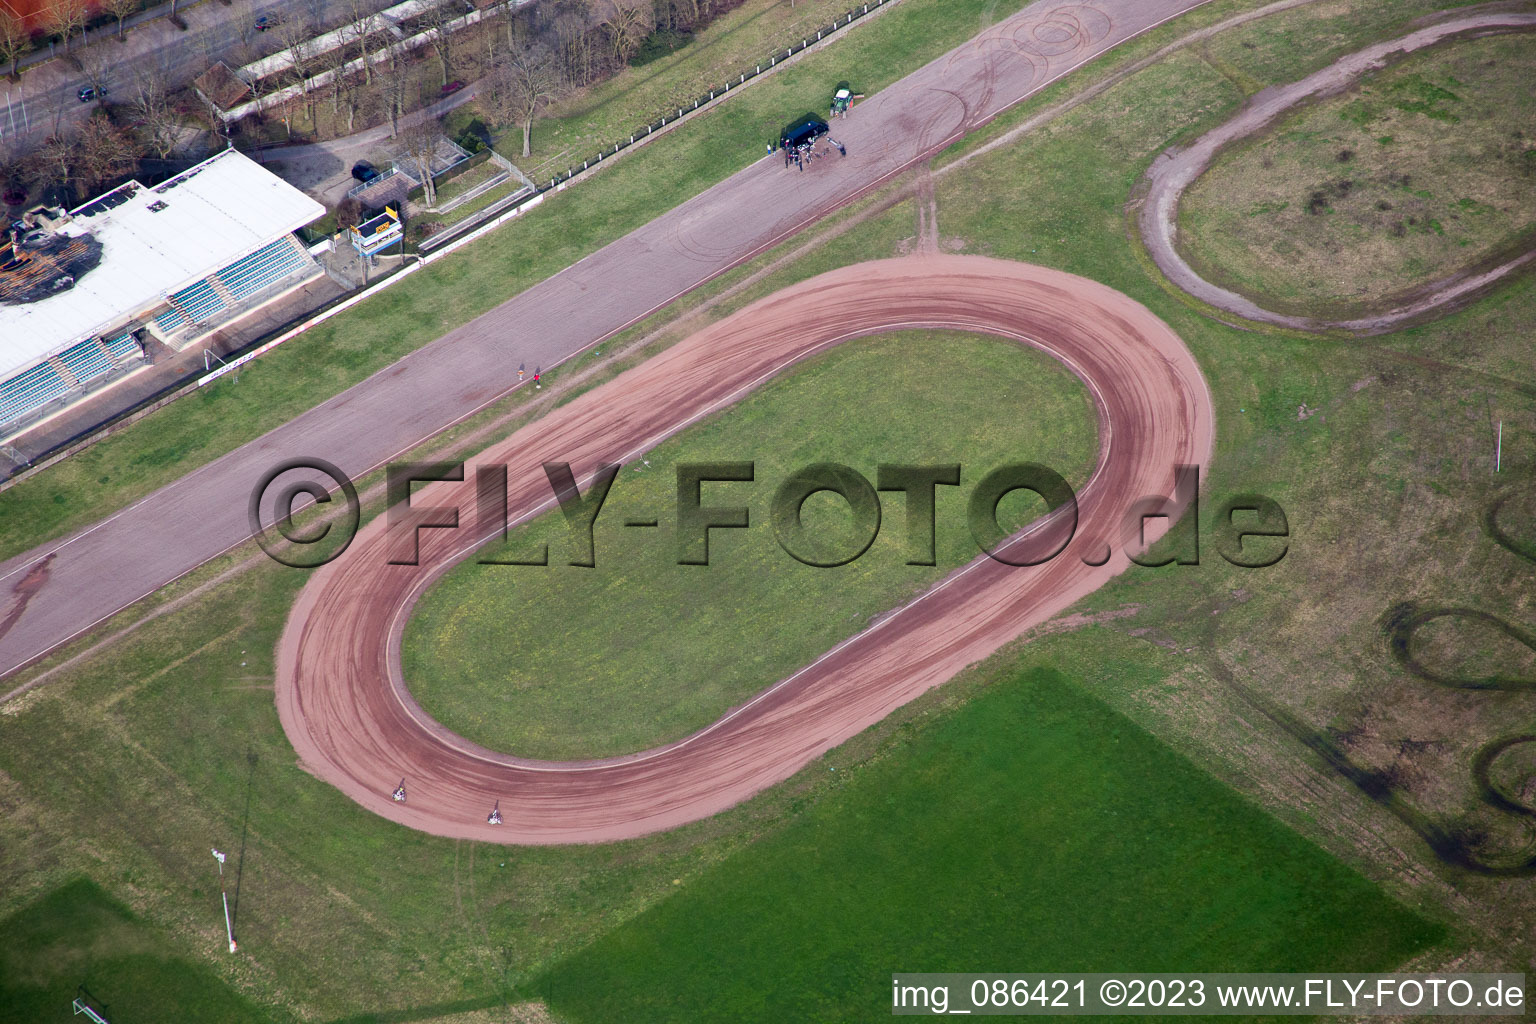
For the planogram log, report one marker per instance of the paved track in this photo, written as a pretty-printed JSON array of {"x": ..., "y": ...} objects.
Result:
[
  {"x": 107, "y": 567},
  {"x": 340, "y": 691}
]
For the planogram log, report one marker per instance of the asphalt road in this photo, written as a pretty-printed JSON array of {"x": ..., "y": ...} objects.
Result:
[{"x": 61, "y": 589}]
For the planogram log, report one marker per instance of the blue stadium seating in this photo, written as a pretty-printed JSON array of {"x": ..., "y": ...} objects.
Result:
[
  {"x": 199, "y": 300},
  {"x": 86, "y": 361},
  {"x": 123, "y": 348},
  {"x": 170, "y": 320},
  {"x": 267, "y": 265},
  {"x": 30, "y": 390}
]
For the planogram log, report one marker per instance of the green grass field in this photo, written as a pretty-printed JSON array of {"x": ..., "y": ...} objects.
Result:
[
  {"x": 567, "y": 663},
  {"x": 1035, "y": 829},
  {"x": 1418, "y": 171},
  {"x": 79, "y": 936},
  {"x": 126, "y": 769}
]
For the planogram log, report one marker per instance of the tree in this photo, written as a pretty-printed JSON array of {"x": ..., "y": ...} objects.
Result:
[
  {"x": 245, "y": 26},
  {"x": 153, "y": 109},
  {"x": 12, "y": 171},
  {"x": 349, "y": 213},
  {"x": 120, "y": 9},
  {"x": 296, "y": 35},
  {"x": 439, "y": 23},
  {"x": 420, "y": 143},
  {"x": 396, "y": 85},
  {"x": 334, "y": 61},
  {"x": 512, "y": 23},
  {"x": 102, "y": 153},
  {"x": 97, "y": 67},
  {"x": 522, "y": 82},
  {"x": 575, "y": 38},
  {"x": 14, "y": 40},
  {"x": 362, "y": 23},
  {"x": 628, "y": 23},
  {"x": 52, "y": 166},
  {"x": 66, "y": 17}
]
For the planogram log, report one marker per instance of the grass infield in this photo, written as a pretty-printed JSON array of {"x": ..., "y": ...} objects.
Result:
[
  {"x": 1420, "y": 170},
  {"x": 560, "y": 662}
]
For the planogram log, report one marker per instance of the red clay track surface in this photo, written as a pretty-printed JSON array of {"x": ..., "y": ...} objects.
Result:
[
  {"x": 344, "y": 704},
  {"x": 108, "y": 566}
]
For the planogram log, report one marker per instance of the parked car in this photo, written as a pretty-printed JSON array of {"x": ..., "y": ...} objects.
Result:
[
  {"x": 263, "y": 23},
  {"x": 91, "y": 92},
  {"x": 364, "y": 171},
  {"x": 452, "y": 87}
]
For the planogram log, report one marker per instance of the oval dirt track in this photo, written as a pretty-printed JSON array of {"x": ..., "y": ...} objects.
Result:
[{"x": 340, "y": 693}]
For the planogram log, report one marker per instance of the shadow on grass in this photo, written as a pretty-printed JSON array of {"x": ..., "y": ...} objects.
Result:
[
  {"x": 423, "y": 1012},
  {"x": 78, "y": 937}
]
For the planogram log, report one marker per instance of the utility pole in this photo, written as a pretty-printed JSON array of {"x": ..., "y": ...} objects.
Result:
[{"x": 1498, "y": 448}]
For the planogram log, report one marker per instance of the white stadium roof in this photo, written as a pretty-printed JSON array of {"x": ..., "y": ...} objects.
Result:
[{"x": 155, "y": 241}]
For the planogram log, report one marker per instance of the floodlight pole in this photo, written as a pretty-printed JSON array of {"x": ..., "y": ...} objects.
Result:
[
  {"x": 229, "y": 927},
  {"x": 1498, "y": 448}
]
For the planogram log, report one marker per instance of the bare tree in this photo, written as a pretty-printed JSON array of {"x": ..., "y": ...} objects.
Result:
[
  {"x": 14, "y": 40},
  {"x": 420, "y": 143},
  {"x": 334, "y": 61},
  {"x": 102, "y": 153},
  {"x": 12, "y": 168},
  {"x": 358, "y": 99},
  {"x": 245, "y": 25},
  {"x": 628, "y": 22},
  {"x": 439, "y": 24},
  {"x": 511, "y": 22},
  {"x": 66, "y": 17},
  {"x": 119, "y": 9},
  {"x": 153, "y": 109},
  {"x": 296, "y": 35},
  {"x": 362, "y": 24},
  {"x": 575, "y": 36},
  {"x": 97, "y": 67},
  {"x": 396, "y": 85},
  {"x": 523, "y": 82},
  {"x": 52, "y": 166}
]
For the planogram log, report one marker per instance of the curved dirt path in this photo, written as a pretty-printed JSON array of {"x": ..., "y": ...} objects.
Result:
[
  {"x": 1176, "y": 169},
  {"x": 340, "y": 693}
]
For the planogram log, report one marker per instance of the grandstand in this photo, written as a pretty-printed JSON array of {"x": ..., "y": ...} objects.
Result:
[{"x": 82, "y": 294}]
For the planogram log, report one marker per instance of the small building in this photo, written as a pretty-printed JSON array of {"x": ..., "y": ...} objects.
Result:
[
  {"x": 83, "y": 293},
  {"x": 378, "y": 233},
  {"x": 220, "y": 87}
]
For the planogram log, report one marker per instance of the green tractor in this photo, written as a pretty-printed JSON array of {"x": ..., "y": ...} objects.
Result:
[{"x": 842, "y": 99}]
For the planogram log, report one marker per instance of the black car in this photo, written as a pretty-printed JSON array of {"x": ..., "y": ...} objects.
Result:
[
  {"x": 263, "y": 23},
  {"x": 90, "y": 92},
  {"x": 364, "y": 171},
  {"x": 803, "y": 132}
]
